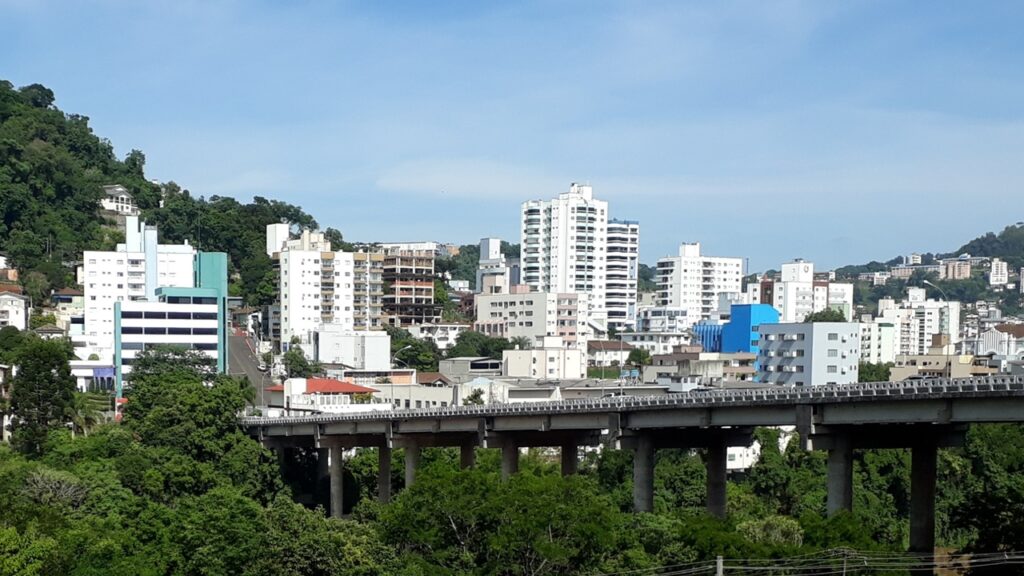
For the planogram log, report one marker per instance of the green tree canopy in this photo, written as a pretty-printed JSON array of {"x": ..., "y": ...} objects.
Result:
[
  {"x": 41, "y": 393},
  {"x": 826, "y": 315}
]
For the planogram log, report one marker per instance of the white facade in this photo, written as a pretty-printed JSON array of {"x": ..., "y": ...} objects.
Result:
[
  {"x": 132, "y": 272},
  {"x": 809, "y": 354},
  {"x": 315, "y": 287},
  {"x": 621, "y": 273},
  {"x": 793, "y": 294},
  {"x": 552, "y": 360},
  {"x": 878, "y": 341},
  {"x": 440, "y": 250},
  {"x": 492, "y": 273},
  {"x": 14, "y": 310},
  {"x": 918, "y": 319},
  {"x": 442, "y": 335},
  {"x": 695, "y": 282},
  {"x": 359, "y": 350},
  {"x": 564, "y": 246},
  {"x": 999, "y": 274},
  {"x": 666, "y": 319},
  {"x": 535, "y": 315},
  {"x": 147, "y": 324},
  {"x": 656, "y": 342},
  {"x": 277, "y": 237}
]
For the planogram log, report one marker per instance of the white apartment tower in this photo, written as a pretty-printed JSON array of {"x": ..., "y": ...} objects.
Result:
[
  {"x": 315, "y": 286},
  {"x": 565, "y": 248},
  {"x": 918, "y": 319},
  {"x": 694, "y": 283},
  {"x": 492, "y": 273},
  {"x": 621, "y": 273},
  {"x": 132, "y": 272},
  {"x": 999, "y": 275}
]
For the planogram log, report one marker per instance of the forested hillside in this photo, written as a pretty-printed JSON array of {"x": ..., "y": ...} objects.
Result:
[
  {"x": 1008, "y": 245},
  {"x": 52, "y": 170}
]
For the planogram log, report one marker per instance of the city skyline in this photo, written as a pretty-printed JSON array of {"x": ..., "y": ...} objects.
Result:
[{"x": 705, "y": 123}]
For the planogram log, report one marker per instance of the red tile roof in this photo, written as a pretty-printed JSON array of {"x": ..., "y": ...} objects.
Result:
[
  {"x": 431, "y": 377},
  {"x": 1015, "y": 330},
  {"x": 327, "y": 386}
]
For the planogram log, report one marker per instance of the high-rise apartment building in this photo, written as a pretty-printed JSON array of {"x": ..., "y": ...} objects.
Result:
[
  {"x": 315, "y": 286},
  {"x": 133, "y": 271},
  {"x": 809, "y": 354},
  {"x": 999, "y": 273},
  {"x": 796, "y": 293},
  {"x": 565, "y": 249},
  {"x": 493, "y": 274},
  {"x": 535, "y": 315},
  {"x": 695, "y": 282},
  {"x": 409, "y": 287},
  {"x": 621, "y": 273},
  {"x": 917, "y": 320},
  {"x": 368, "y": 290}
]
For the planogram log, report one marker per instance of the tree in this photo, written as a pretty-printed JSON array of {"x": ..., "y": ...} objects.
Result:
[
  {"x": 476, "y": 397},
  {"x": 41, "y": 394},
  {"x": 40, "y": 320},
  {"x": 639, "y": 357},
  {"x": 521, "y": 343},
  {"x": 868, "y": 372},
  {"x": 826, "y": 315},
  {"x": 296, "y": 365},
  {"x": 83, "y": 413},
  {"x": 476, "y": 344}
]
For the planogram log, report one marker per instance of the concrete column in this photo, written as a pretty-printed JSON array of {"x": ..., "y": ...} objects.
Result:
[
  {"x": 717, "y": 469},
  {"x": 467, "y": 456},
  {"x": 922, "y": 498},
  {"x": 570, "y": 459},
  {"x": 840, "y": 476},
  {"x": 509, "y": 460},
  {"x": 337, "y": 482},
  {"x": 412, "y": 462},
  {"x": 384, "y": 474},
  {"x": 643, "y": 475}
]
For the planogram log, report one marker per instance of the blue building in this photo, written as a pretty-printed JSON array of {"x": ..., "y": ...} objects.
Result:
[
  {"x": 709, "y": 336},
  {"x": 740, "y": 334}
]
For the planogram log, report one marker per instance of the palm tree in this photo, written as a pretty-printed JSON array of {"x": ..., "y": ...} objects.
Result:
[
  {"x": 83, "y": 413},
  {"x": 521, "y": 343}
]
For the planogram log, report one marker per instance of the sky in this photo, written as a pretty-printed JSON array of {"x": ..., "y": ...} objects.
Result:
[{"x": 839, "y": 132}]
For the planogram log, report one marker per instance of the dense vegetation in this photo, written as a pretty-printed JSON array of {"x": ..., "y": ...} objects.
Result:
[
  {"x": 177, "y": 488},
  {"x": 463, "y": 265}
]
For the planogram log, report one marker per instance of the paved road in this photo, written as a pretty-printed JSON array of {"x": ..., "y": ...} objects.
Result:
[{"x": 242, "y": 362}]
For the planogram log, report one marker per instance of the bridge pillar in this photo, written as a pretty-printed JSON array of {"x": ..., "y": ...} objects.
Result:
[
  {"x": 467, "y": 456},
  {"x": 643, "y": 474},
  {"x": 570, "y": 459},
  {"x": 509, "y": 460},
  {"x": 337, "y": 482},
  {"x": 412, "y": 462},
  {"x": 922, "y": 496},
  {"x": 840, "y": 475},
  {"x": 384, "y": 474},
  {"x": 716, "y": 485}
]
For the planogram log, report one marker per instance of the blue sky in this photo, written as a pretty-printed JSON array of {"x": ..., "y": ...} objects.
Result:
[{"x": 834, "y": 131}]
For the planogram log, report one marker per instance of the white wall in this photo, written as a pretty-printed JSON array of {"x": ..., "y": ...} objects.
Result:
[{"x": 361, "y": 350}]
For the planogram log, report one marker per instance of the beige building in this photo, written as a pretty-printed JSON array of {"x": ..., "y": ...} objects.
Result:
[
  {"x": 691, "y": 366},
  {"x": 941, "y": 361},
  {"x": 956, "y": 269},
  {"x": 534, "y": 315},
  {"x": 368, "y": 290},
  {"x": 552, "y": 361},
  {"x": 408, "y": 279}
]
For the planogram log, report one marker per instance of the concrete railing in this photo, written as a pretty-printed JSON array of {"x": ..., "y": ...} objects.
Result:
[{"x": 909, "y": 390}]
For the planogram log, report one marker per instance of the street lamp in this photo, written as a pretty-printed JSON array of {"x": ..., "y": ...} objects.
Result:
[{"x": 949, "y": 323}]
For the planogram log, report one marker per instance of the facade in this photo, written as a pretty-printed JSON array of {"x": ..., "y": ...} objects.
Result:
[
  {"x": 14, "y": 310},
  {"x": 878, "y": 341},
  {"x": 1006, "y": 340},
  {"x": 656, "y": 342},
  {"x": 940, "y": 361},
  {"x": 999, "y": 273},
  {"x": 607, "y": 352},
  {"x": 695, "y": 282},
  {"x": 621, "y": 273},
  {"x": 132, "y": 272},
  {"x": 68, "y": 303},
  {"x": 340, "y": 345},
  {"x": 741, "y": 334},
  {"x": 809, "y": 354},
  {"x": 302, "y": 396},
  {"x": 917, "y": 319},
  {"x": 493, "y": 273},
  {"x": 666, "y": 319},
  {"x": 691, "y": 367},
  {"x": 442, "y": 335},
  {"x": 798, "y": 292},
  {"x": 117, "y": 198},
  {"x": 551, "y": 360},
  {"x": 959, "y": 269},
  {"x": 409, "y": 287},
  {"x": 535, "y": 315},
  {"x": 368, "y": 290},
  {"x": 315, "y": 286},
  {"x": 464, "y": 369},
  {"x": 193, "y": 318},
  {"x": 437, "y": 249},
  {"x": 565, "y": 247}
]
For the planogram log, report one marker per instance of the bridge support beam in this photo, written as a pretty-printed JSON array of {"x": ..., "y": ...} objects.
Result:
[
  {"x": 840, "y": 475},
  {"x": 412, "y": 462},
  {"x": 570, "y": 459},
  {"x": 509, "y": 460},
  {"x": 922, "y": 497},
  {"x": 337, "y": 473},
  {"x": 384, "y": 474},
  {"x": 643, "y": 474},
  {"x": 716, "y": 485},
  {"x": 467, "y": 456}
]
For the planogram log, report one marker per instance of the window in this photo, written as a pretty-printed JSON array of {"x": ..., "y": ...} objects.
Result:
[
  {"x": 179, "y": 331},
  {"x": 153, "y": 330},
  {"x": 205, "y": 346},
  {"x": 833, "y": 336},
  {"x": 130, "y": 314},
  {"x": 204, "y": 316},
  {"x": 833, "y": 353},
  {"x": 154, "y": 315},
  {"x": 833, "y": 369}
]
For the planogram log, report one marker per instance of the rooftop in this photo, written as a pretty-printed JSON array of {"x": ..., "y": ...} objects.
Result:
[{"x": 328, "y": 386}]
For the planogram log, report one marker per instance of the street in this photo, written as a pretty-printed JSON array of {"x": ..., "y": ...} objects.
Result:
[{"x": 242, "y": 362}]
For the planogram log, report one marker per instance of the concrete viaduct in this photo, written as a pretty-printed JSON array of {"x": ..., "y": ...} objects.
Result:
[{"x": 922, "y": 415}]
